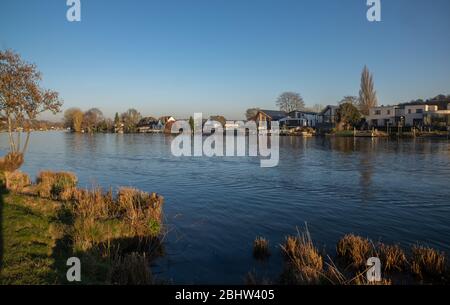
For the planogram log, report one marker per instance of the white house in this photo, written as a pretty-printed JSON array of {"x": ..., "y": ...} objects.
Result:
[
  {"x": 300, "y": 119},
  {"x": 408, "y": 115},
  {"x": 439, "y": 118},
  {"x": 384, "y": 116},
  {"x": 414, "y": 114}
]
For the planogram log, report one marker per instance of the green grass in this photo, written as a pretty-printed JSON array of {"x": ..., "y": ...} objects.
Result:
[{"x": 29, "y": 238}]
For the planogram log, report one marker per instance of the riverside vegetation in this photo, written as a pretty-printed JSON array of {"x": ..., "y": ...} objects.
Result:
[
  {"x": 115, "y": 235},
  {"x": 306, "y": 265}
]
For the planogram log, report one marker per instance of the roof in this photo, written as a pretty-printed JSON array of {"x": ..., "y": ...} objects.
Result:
[
  {"x": 147, "y": 121},
  {"x": 442, "y": 104},
  {"x": 304, "y": 111},
  {"x": 166, "y": 118},
  {"x": 332, "y": 107},
  {"x": 385, "y": 106},
  {"x": 274, "y": 114}
]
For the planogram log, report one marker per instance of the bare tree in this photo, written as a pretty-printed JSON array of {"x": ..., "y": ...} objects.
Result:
[
  {"x": 219, "y": 118},
  {"x": 22, "y": 99},
  {"x": 130, "y": 119},
  {"x": 367, "y": 93},
  {"x": 349, "y": 99},
  {"x": 290, "y": 101},
  {"x": 73, "y": 119},
  {"x": 91, "y": 119},
  {"x": 317, "y": 108},
  {"x": 251, "y": 113}
]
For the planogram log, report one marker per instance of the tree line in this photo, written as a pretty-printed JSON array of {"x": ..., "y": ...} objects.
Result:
[{"x": 93, "y": 120}]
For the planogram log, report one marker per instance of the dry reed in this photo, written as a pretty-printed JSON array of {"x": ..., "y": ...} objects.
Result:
[
  {"x": 261, "y": 248},
  {"x": 17, "y": 181}
]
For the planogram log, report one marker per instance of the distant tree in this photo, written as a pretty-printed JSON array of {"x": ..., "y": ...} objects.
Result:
[
  {"x": 117, "y": 119},
  {"x": 91, "y": 119},
  {"x": 191, "y": 123},
  {"x": 106, "y": 125},
  {"x": 22, "y": 99},
  {"x": 348, "y": 115},
  {"x": 78, "y": 121},
  {"x": 367, "y": 93},
  {"x": 290, "y": 101},
  {"x": 350, "y": 99},
  {"x": 317, "y": 108},
  {"x": 73, "y": 119},
  {"x": 68, "y": 119},
  {"x": 219, "y": 118},
  {"x": 130, "y": 120},
  {"x": 251, "y": 113},
  {"x": 439, "y": 97}
]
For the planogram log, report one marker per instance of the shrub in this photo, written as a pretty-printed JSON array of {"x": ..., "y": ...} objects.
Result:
[
  {"x": 261, "y": 248},
  {"x": 11, "y": 162},
  {"x": 142, "y": 210},
  {"x": 56, "y": 185},
  {"x": 355, "y": 249},
  {"x": 94, "y": 204},
  {"x": 427, "y": 262},
  {"x": 305, "y": 264},
  {"x": 17, "y": 181}
]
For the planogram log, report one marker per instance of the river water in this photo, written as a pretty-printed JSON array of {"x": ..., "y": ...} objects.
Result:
[{"x": 388, "y": 190}]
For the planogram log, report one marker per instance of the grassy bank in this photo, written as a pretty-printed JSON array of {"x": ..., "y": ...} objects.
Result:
[
  {"x": 115, "y": 235},
  {"x": 30, "y": 232}
]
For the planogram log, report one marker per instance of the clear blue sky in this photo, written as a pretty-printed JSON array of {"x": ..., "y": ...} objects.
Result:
[{"x": 223, "y": 56}]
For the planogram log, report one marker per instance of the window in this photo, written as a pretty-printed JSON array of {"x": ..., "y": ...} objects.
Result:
[
  {"x": 388, "y": 112},
  {"x": 419, "y": 110},
  {"x": 409, "y": 111},
  {"x": 377, "y": 112}
]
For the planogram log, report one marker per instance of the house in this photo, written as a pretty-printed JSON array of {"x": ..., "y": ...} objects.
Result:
[
  {"x": 165, "y": 119},
  {"x": 148, "y": 124},
  {"x": 118, "y": 128},
  {"x": 211, "y": 125},
  {"x": 232, "y": 125},
  {"x": 384, "y": 116},
  {"x": 269, "y": 116},
  {"x": 300, "y": 119},
  {"x": 438, "y": 119},
  {"x": 327, "y": 118},
  {"x": 416, "y": 114},
  {"x": 151, "y": 124}
]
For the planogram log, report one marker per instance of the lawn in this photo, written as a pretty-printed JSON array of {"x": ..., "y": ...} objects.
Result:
[{"x": 29, "y": 229}]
